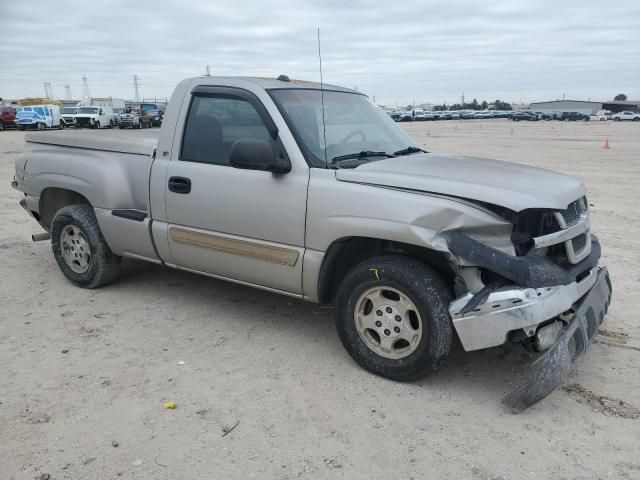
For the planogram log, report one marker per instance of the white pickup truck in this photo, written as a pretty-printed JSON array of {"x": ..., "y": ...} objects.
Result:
[{"x": 314, "y": 192}]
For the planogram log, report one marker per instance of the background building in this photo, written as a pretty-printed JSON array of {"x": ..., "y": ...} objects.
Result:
[{"x": 588, "y": 108}]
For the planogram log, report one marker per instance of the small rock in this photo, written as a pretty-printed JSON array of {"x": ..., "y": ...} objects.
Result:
[
  {"x": 44, "y": 476},
  {"x": 182, "y": 362},
  {"x": 136, "y": 463},
  {"x": 115, "y": 443},
  {"x": 65, "y": 350}
]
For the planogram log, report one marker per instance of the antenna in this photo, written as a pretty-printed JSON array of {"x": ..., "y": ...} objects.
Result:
[
  {"x": 324, "y": 125},
  {"x": 136, "y": 88}
]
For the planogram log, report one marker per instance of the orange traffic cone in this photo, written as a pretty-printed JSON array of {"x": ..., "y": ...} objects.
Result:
[{"x": 605, "y": 144}]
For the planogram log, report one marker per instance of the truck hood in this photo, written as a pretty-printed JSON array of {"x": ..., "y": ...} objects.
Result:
[{"x": 510, "y": 185}]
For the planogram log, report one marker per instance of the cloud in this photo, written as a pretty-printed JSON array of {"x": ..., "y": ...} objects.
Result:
[{"x": 396, "y": 51}]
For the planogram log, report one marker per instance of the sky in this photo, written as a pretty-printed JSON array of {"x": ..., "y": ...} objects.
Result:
[{"x": 399, "y": 52}]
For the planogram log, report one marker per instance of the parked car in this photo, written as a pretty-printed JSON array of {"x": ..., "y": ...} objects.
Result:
[
  {"x": 544, "y": 115},
  {"x": 38, "y": 117},
  {"x": 626, "y": 115},
  {"x": 450, "y": 115},
  {"x": 522, "y": 115},
  {"x": 7, "y": 117},
  {"x": 419, "y": 115},
  {"x": 156, "y": 117},
  {"x": 601, "y": 115},
  {"x": 116, "y": 115},
  {"x": 572, "y": 116},
  {"x": 94, "y": 117},
  {"x": 68, "y": 114},
  {"x": 406, "y": 116},
  {"x": 484, "y": 114},
  {"x": 395, "y": 115},
  {"x": 413, "y": 249}
]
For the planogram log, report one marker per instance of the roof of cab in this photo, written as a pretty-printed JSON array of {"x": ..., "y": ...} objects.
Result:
[{"x": 274, "y": 83}]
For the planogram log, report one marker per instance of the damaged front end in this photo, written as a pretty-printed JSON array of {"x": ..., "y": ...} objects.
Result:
[{"x": 551, "y": 295}]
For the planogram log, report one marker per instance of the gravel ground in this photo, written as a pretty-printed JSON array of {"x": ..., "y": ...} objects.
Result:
[{"x": 84, "y": 374}]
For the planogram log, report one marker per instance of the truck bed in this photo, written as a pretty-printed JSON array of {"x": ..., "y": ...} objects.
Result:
[{"x": 136, "y": 142}]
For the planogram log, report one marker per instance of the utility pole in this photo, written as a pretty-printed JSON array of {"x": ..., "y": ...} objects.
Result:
[
  {"x": 462, "y": 100},
  {"x": 85, "y": 88},
  {"x": 207, "y": 71},
  {"x": 136, "y": 88},
  {"x": 48, "y": 92},
  {"x": 67, "y": 92}
]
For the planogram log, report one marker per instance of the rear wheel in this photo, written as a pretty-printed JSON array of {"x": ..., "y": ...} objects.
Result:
[
  {"x": 41, "y": 126},
  {"x": 636, "y": 119},
  {"x": 392, "y": 317},
  {"x": 80, "y": 249}
]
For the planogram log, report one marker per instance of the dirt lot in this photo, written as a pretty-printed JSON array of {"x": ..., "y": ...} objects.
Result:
[{"x": 82, "y": 371}]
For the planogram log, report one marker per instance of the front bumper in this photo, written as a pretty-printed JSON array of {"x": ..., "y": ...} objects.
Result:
[{"x": 553, "y": 367}]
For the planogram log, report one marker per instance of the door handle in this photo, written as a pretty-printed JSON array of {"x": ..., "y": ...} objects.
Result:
[{"x": 179, "y": 185}]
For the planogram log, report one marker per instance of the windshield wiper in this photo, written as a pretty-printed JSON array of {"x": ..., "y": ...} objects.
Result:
[
  {"x": 362, "y": 154},
  {"x": 409, "y": 150}
]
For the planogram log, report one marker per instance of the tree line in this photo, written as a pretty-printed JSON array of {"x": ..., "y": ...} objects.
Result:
[{"x": 474, "y": 105}]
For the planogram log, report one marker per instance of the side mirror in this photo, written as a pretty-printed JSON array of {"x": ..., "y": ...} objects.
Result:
[{"x": 257, "y": 155}]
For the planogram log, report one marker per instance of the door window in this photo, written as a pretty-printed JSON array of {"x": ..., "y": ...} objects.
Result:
[{"x": 214, "y": 124}]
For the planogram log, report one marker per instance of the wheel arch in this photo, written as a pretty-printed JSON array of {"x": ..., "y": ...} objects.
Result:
[
  {"x": 53, "y": 199},
  {"x": 347, "y": 252}
]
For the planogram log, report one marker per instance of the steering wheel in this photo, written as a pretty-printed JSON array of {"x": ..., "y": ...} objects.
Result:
[{"x": 353, "y": 134}]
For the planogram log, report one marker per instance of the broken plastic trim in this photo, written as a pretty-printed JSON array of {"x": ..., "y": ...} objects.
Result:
[
  {"x": 551, "y": 370},
  {"x": 531, "y": 271}
]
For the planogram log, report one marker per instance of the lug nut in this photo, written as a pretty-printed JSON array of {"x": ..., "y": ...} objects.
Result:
[
  {"x": 398, "y": 318},
  {"x": 387, "y": 332},
  {"x": 378, "y": 323},
  {"x": 396, "y": 329},
  {"x": 389, "y": 310},
  {"x": 379, "y": 312}
]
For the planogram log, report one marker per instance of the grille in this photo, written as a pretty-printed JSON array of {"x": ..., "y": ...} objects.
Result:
[
  {"x": 572, "y": 214},
  {"x": 579, "y": 243},
  {"x": 83, "y": 121}
]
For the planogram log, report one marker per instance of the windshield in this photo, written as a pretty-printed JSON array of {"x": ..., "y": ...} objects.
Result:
[
  {"x": 89, "y": 110},
  {"x": 353, "y": 124},
  {"x": 26, "y": 114},
  {"x": 69, "y": 111}
]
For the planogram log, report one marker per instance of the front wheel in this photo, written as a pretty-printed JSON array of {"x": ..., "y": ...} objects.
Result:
[
  {"x": 392, "y": 317},
  {"x": 41, "y": 126},
  {"x": 80, "y": 249}
]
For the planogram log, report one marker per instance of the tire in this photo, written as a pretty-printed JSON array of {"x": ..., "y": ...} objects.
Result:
[
  {"x": 22, "y": 129},
  {"x": 1, "y": 126},
  {"x": 617, "y": 119},
  {"x": 636, "y": 119},
  {"x": 103, "y": 265},
  {"x": 97, "y": 126},
  {"x": 41, "y": 127},
  {"x": 425, "y": 290},
  {"x": 121, "y": 127},
  {"x": 111, "y": 124}
]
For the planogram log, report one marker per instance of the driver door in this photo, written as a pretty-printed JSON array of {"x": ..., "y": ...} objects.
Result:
[{"x": 244, "y": 225}]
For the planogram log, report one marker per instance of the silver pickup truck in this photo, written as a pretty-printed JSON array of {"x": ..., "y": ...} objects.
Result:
[{"x": 314, "y": 192}]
